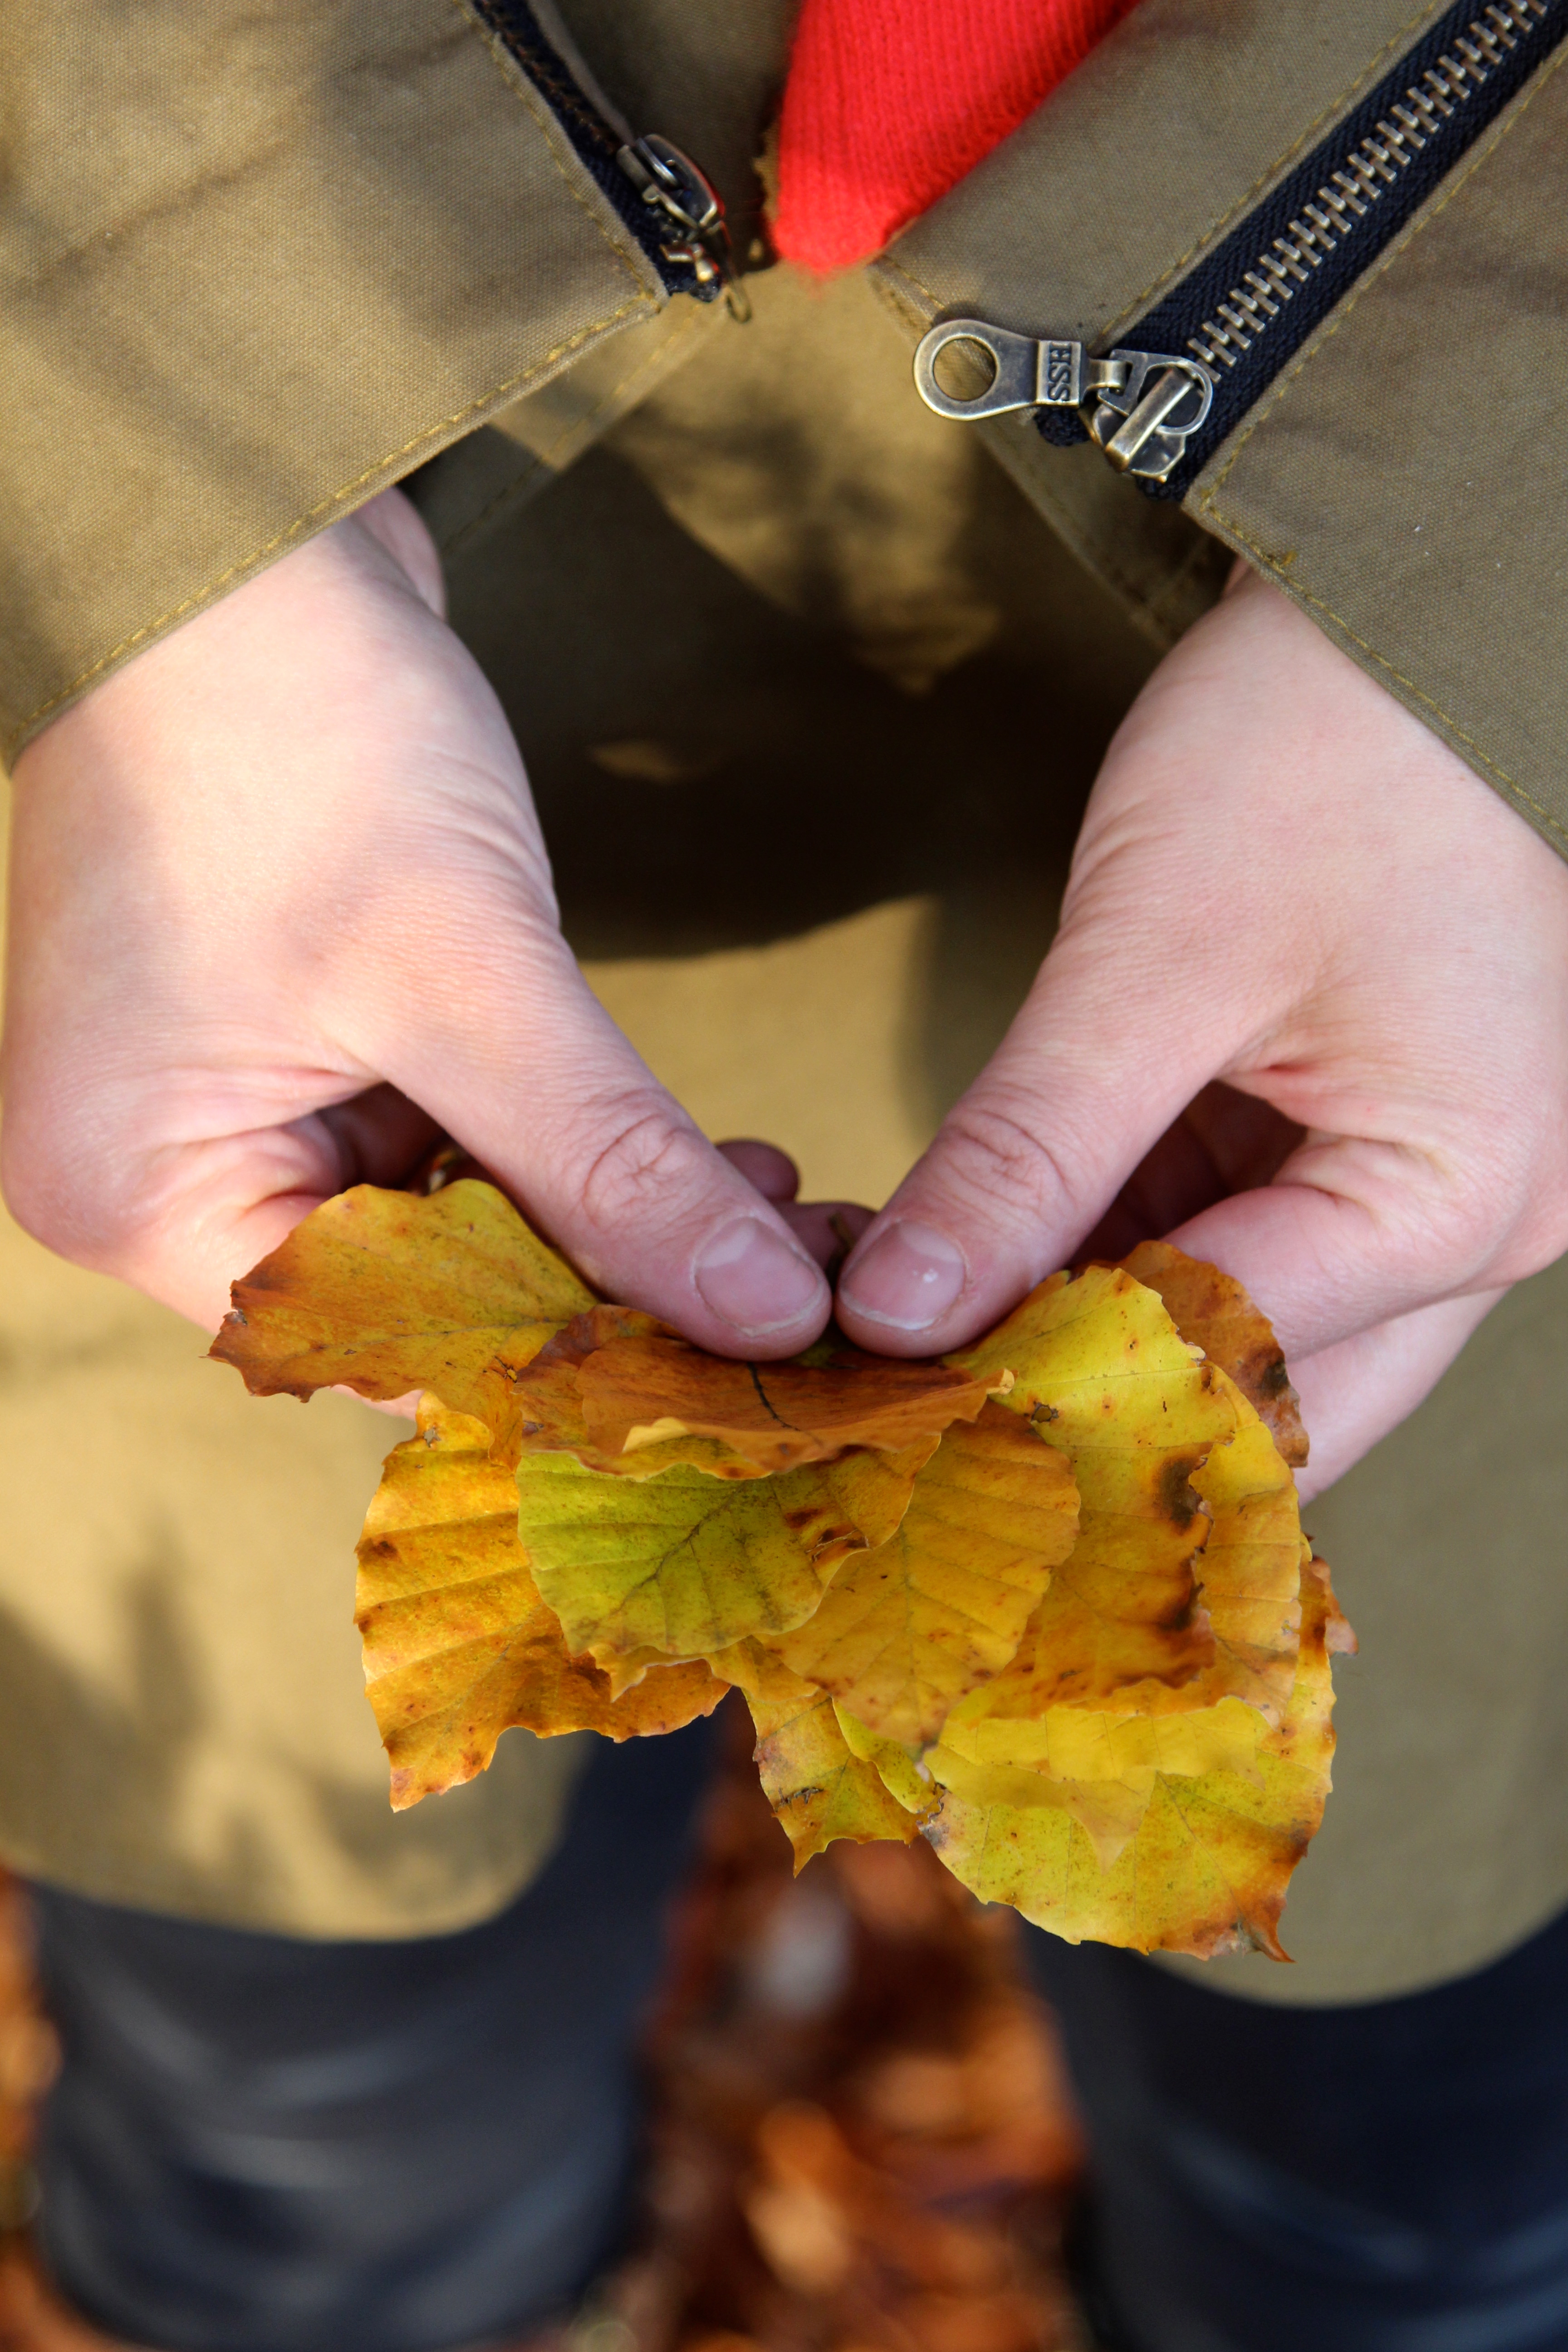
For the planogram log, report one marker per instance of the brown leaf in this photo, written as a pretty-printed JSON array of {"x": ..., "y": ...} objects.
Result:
[
  {"x": 459, "y": 1646},
  {"x": 641, "y": 1390},
  {"x": 387, "y": 1292},
  {"x": 905, "y": 1629},
  {"x": 1213, "y": 1310}
]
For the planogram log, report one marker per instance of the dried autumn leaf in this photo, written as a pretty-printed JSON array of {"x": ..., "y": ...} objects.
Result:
[
  {"x": 686, "y": 1564},
  {"x": 1102, "y": 1373},
  {"x": 1250, "y": 1565},
  {"x": 387, "y": 1292},
  {"x": 817, "y": 1787},
  {"x": 640, "y": 1389},
  {"x": 906, "y": 1781},
  {"x": 1213, "y": 1310},
  {"x": 459, "y": 1646},
  {"x": 606, "y": 1387},
  {"x": 905, "y": 1629},
  {"x": 1206, "y": 1866}
]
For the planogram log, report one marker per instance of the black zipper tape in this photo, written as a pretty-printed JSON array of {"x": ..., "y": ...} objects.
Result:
[
  {"x": 1180, "y": 320},
  {"x": 595, "y": 142}
]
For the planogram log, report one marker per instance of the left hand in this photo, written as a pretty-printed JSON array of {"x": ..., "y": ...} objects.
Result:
[{"x": 1307, "y": 1012}]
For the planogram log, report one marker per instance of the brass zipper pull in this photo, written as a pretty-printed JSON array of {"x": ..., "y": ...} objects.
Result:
[
  {"x": 671, "y": 181},
  {"x": 1140, "y": 407}
]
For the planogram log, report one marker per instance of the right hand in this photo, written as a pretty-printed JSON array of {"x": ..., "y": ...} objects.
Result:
[{"x": 281, "y": 914}]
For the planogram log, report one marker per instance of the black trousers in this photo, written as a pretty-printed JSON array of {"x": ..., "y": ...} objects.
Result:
[
  {"x": 260, "y": 2145},
  {"x": 1388, "y": 2178},
  {"x": 263, "y": 2146}
]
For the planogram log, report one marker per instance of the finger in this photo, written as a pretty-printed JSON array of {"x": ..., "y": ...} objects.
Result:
[
  {"x": 829, "y": 1229},
  {"x": 380, "y": 1136},
  {"x": 517, "y": 1059},
  {"x": 1027, "y": 1164},
  {"x": 1352, "y": 1233},
  {"x": 773, "y": 1171},
  {"x": 1352, "y": 1394},
  {"x": 1224, "y": 1143}
]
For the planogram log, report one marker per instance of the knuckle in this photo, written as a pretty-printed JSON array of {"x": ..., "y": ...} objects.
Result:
[
  {"x": 995, "y": 1154},
  {"x": 652, "y": 1157}
]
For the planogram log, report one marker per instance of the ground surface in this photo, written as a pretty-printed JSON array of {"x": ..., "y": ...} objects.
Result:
[{"x": 861, "y": 2141}]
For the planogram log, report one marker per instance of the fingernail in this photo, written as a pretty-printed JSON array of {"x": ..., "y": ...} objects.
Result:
[
  {"x": 745, "y": 1273},
  {"x": 910, "y": 1276}
]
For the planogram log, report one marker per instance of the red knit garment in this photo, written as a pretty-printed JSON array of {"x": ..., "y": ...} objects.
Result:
[{"x": 888, "y": 102}]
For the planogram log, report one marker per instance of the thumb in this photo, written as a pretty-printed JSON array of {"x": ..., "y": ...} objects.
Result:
[
  {"x": 1087, "y": 1078},
  {"x": 524, "y": 1068}
]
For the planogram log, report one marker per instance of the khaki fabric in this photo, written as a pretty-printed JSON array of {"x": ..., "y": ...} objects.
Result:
[
  {"x": 183, "y": 1719},
  {"x": 255, "y": 265},
  {"x": 811, "y": 691},
  {"x": 1395, "y": 479},
  {"x": 1441, "y": 377},
  {"x": 1445, "y": 1838}
]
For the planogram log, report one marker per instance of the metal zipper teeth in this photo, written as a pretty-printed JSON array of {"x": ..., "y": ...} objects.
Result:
[
  {"x": 1255, "y": 299},
  {"x": 595, "y": 141},
  {"x": 1377, "y": 164}
]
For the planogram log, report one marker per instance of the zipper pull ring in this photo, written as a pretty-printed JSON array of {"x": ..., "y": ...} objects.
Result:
[
  {"x": 1143, "y": 405},
  {"x": 666, "y": 177},
  {"x": 1024, "y": 373}
]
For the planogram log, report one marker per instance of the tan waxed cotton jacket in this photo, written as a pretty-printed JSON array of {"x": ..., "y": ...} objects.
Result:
[{"x": 746, "y": 601}]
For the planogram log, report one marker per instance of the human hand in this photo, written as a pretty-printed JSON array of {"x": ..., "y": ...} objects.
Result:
[
  {"x": 1284, "y": 884},
  {"x": 280, "y": 913}
]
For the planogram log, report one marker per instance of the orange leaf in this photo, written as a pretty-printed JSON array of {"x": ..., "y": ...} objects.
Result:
[
  {"x": 905, "y": 1629},
  {"x": 459, "y": 1646},
  {"x": 641, "y": 1389},
  {"x": 387, "y": 1292}
]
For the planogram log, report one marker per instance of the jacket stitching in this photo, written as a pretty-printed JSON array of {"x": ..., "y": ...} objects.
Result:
[
  {"x": 1223, "y": 221},
  {"x": 199, "y": 596},
  {"x": 1339, "y": 105},
  {"x": 538, "y": 457},
  {"x": 1511, "y": 784},
  {"x": 1376, "y": 272},
  {"x": 522, "y": 90}
]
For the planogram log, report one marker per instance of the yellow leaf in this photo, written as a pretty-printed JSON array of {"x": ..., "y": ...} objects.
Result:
[
  {"x": 459, "y": 1646},
  {"x": 1213, "y": 1310},
  {"x": 1251, "y": 1572},
  {"x": 905, "y": 1629},
  {"x": 686, "y": 1564},
  {"x": 909, "y": 1782},
  {"x": 1205, "y": 1867},
  {"x": 387, "y": 1292},
  {"x": 1102, "y": 1372},
  {"x": 818, "y": 1789}
]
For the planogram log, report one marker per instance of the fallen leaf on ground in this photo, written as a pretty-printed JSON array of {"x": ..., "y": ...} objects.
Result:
[
  {"x": 459, "y": 1646},
  {"x": 905, "y": 1629},
  {"x": 388, "y": 1292}
]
